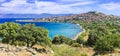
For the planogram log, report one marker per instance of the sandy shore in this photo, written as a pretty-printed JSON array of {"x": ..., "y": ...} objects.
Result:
[{"x": 74, "y": 38}]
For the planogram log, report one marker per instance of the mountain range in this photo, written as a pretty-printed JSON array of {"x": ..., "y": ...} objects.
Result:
[
  {"x": 44, "y": 15},
  {"x": 89, "y": 16}
]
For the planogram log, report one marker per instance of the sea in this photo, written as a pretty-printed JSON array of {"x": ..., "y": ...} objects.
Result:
[{"x": 69, "y": 30}]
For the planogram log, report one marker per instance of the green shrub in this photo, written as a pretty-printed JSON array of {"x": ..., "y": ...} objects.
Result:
[
  {"x": 80, "y": 40},
  {"x": 75, "y": 45},
  {"x": 20, "y": 43},
  {"x": 83, "y": 54},
  {"x": 60, "y": 39},
  {"x": 28, "y": 34},
  {"x": 108, "y": 43}
]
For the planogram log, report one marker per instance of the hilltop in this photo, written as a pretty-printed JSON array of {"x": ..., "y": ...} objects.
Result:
[{"x": 88, "y": 16}]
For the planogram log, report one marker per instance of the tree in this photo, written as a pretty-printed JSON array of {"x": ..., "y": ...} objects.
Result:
[
  {"x": 8, "y": 31},
  {"x": 107, "y": 43},
  {"x": 27, "y": 34},
  {"x": 60, "y": 39},
  {"x": 41, "y": 36},
  {"x": 80, "y": 39},
  {"x": 34, "y": 35},
  {"x": 96, "y": 34},
  {"x": 92, "y": 38}
]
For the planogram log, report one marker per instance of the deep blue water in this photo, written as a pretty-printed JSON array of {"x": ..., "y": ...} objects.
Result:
[{"x": 67, "y": 29}]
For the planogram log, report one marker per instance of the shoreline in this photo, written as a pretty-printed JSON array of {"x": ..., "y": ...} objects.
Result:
[
  {"x": 83, "y": 30},
  {"x": 74, "y": 38}
]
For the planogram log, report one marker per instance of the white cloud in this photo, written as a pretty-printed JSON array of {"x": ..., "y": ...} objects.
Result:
[
  {"x": 14, "y": 3},
  {"x": 82, "y": 3},
  {"x": 22, "y": 6},
  {"x": 110, "y": 6},
  {"x": 45, "y": 4},
  {"x": 75, "y": 0},
  {"x": 52, "y": 7}
]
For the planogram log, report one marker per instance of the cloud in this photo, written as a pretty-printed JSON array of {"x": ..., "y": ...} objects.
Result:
[
  {"x": 14, "y": 3},
  {"x": 52, "y": 7},
  {"x": 22, "y": 6},
  {"x": 82, "y": 3},
  {"x": 75, "y": 0},
  {"x": 17, "y": 6},
  {"x": 110, "y": 6}
]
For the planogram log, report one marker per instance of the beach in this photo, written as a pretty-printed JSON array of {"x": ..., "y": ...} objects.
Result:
[{"x": 74, "y": 38}]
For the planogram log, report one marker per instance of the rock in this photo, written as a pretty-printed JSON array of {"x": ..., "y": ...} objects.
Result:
[
  {"x": 10, "y": 50},
  {"x": 20, "y": 48},
  {"x": 33, "y": 51},
  {"x": 111, "y": 54},
  {"x": 51, "y": 51},
  {"x": 42, "y": 50},
  {"x": 2, "y": 46},
  {"x": 24, "y": 47},
  {"x": 35, "y": 48},
  {"x": 14, "y": 49},
  {"x": 6, "y": 50}
]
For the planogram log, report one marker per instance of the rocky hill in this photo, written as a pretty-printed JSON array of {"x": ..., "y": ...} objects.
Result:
[
  {"x": 9, "y": 50},
  {"x": 89, "y": 16}
]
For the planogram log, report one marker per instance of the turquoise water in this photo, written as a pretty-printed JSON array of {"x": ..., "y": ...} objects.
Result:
[{"x": 67, "y": 29}]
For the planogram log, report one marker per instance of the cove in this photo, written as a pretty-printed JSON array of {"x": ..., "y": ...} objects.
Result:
[{"x": 69, "y": 30}]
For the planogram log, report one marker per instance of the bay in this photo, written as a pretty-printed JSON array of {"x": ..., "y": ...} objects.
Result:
[{"x": 69, "y": 30}]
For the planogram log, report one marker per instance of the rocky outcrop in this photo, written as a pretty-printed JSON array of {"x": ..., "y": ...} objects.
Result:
[{"x": 8, "y": 50}]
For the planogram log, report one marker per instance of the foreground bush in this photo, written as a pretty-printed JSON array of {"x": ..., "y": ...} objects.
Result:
[
  {"x": 60, "y": 39},
  {"x": 26, "y": 35}
]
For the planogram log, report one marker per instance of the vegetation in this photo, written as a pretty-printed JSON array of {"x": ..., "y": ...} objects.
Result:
[
  {"x": 108, "y": 43},
  {"x": 23, "y": 35},
  {"x": 103, "y": 30},
  {"x": 64, "y": 50},
  {"x": 80, "y": 39},
  {"x": 60, "y": 39},
  {"x": 103, "y": 35}
]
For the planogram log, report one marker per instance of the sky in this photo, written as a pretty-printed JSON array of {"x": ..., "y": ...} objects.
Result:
[{"x": 59, "y": 6}]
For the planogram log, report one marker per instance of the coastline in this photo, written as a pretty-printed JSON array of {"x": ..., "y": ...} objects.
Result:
[
  {"x": 74, "y": 38},
  {"x": 83, "y": 30}
]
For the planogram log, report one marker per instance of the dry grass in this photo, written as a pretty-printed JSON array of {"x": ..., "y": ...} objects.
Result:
[
  {"x": 85, "y": 37},
  {"x": 89, "y": 51}
]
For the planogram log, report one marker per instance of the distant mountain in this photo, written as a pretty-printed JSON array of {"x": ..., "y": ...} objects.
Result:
[
  {"x": 119, "y": 16},
  {"x": 44, "y": 15},
  {"x": 88, "y": 16}
]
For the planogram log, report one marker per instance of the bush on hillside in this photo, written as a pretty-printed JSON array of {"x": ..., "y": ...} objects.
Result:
[
  {"x": 27, "y": 35},
  {"x": 60, "y": 39},
  {"x": 108, "y": 43}
]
